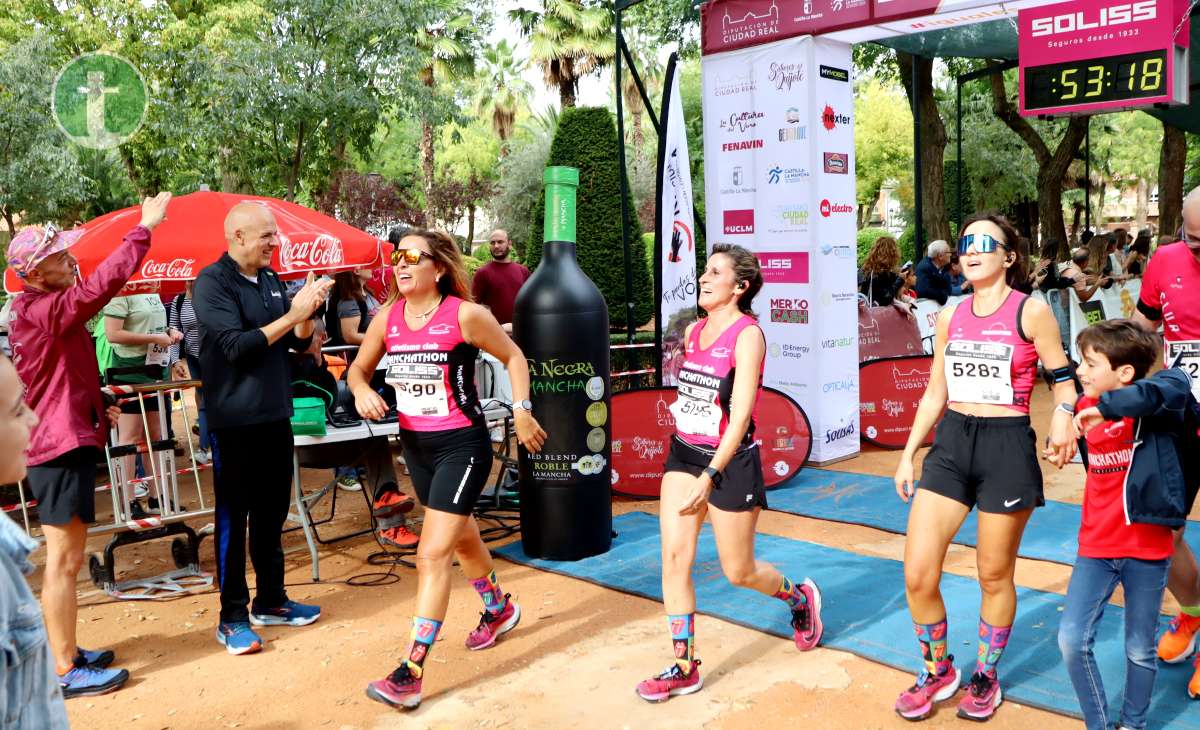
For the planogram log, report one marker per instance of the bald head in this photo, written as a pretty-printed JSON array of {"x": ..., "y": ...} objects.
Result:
[
  {"x": 252, "y": 236},
  {"x": 500, "y": 244}
]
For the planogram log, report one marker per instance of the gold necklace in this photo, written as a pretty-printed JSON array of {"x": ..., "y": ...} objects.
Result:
[{"x": 430, "y": 311}]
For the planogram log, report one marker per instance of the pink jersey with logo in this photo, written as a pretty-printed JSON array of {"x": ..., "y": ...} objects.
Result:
[
  {"x": 701, "y": 407},
  {"x": 432, "y": 370},
  {"x": 988, "y": 359}
]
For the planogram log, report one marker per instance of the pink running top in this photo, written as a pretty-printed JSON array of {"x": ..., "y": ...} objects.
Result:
[
  {"x": 701, "y": 408},
  {"x": 432, "y": 370},
  {"x": 989, "y": 359}
]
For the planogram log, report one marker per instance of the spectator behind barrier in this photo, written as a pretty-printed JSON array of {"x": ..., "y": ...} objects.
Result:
[
  {"x": 933, "y": 273},
  {"x": 1139, "y": 254},
  {"x": 880, "y": 280}
]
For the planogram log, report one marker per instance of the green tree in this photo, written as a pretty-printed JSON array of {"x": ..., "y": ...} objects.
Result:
[
  {"x": 520, "y": 181},
  {"x": 470, "y": 154},
  {"x": 569, "y": 39},
  {"x": 883, "y": 147},
  {"x": 645, "y": 56},
  {"x": 502, "y": 93},
  {"x": 587, "y": 139}
]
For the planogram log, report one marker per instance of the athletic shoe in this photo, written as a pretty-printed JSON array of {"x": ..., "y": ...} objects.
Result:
[
  {"x": 494, "y": 625},
  {"x": 916, "y": 702},
  {"x": 391, "y": 502},
  {"x": 806, "y": 618},
  {"x": 87, "y": 681},
  {"x": 398, "y": 689},
  {"x": 99, "y": 659},
  {"x": 1179, "y": 641},
  {"x": 238, "y": 638},
  {"x": 203, "y": 457},
  {"x": 140, "y": 490},
  {"x": 400, "y": 537},
  {"x": 289, "y": 614},
  {"x": 349, "y": 484},
  {"x": 670, "y": 683},
  {"x": 1193, "y": 688},
  {"x": 982, "y": 698}
]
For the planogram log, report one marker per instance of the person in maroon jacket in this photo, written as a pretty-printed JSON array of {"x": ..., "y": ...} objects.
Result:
[
  {"x": 497, "y": 282},
  {"x": 56, "y": 360}
]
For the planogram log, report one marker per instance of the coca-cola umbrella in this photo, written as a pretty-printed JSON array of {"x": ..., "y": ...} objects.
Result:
[{"x": 193, "y": 237}]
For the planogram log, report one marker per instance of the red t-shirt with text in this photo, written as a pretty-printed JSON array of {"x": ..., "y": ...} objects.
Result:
[
  {"x": 1103, "y": 532},
  {"x": 1171, "y": 286}
]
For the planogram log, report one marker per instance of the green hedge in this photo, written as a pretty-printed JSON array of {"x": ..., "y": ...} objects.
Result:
[
  {"x": 587, "y": 139},
  {"x": 625, "y": 360},
  {"x": 866, "y": 239}
]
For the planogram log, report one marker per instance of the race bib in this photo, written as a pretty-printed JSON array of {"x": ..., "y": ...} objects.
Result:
[
  {"x": 420, "y": 389},
  {"x": 696, "y": 410},
  {"x": 979, "y": 372},
  {"x": 1188, "y": 356},
  {"x": 157, "y": 355}
]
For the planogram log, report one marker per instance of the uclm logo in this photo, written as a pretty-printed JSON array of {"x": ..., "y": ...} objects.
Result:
[
  {"x": 739, "y": 221},
  {"x": 1112, "y": 15}
]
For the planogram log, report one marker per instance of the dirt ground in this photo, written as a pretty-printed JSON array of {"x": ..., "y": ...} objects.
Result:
[{"x": 574, "y": 660}]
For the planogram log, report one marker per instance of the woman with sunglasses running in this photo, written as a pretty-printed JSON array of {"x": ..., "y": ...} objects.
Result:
[
  {"x": 984, "y": 454},
  {"x": 431, "y": 333}
]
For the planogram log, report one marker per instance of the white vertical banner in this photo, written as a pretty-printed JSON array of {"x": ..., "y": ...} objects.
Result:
[
  {"x": 676, "y": 230},
  {"x": 779, "y": 180}
]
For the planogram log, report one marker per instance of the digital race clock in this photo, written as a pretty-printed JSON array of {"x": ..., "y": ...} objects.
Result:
[{"x": 1091, "y": 56}]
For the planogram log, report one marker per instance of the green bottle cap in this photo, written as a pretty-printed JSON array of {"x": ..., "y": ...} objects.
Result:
[{"x": 561, "y": 183}]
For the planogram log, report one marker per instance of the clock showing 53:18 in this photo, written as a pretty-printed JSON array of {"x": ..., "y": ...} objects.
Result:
[{"x": 1111, "y": 78}]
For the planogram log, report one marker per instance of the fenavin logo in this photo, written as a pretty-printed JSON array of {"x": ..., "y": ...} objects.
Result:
[{"x": 1112, "y": 15}]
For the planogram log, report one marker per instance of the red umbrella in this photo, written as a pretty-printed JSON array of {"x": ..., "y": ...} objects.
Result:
[{"x": 193, "y": 237}]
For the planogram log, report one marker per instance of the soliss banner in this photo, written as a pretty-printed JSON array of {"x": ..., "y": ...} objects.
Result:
[
  {"x": 779, "y": 180},
  {"x": 642, "y": 427}
]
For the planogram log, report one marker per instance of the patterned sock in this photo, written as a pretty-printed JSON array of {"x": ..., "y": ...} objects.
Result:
[
  {"x": 992, "y": 640},
  {"x": 488, "y": 589},
  {"x": 1193, "y": 611},
  {"x": 683, "y": 640},
  {"x": 790, "y": 594},
  {"x": 424, "y": 633},
  {"x": 932, "y": 638}
]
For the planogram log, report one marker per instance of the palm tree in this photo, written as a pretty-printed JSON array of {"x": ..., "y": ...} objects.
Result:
[
  {"x": 569, "y": 40},
  {"x": 502, "y": 91},
  {"x": 448, "y": 50},
  {"x": 651, "y": 73}
]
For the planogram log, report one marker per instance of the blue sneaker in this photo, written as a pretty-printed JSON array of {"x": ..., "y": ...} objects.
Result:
[
  {"x": 99, "y": 659},
  {"x": 87, "y": 681},
  {"x": 289, "y": 614},
  {"x": 238, "y": 638}
]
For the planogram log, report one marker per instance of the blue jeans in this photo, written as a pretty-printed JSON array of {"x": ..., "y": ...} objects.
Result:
[{"x": 1092, "y": 584}]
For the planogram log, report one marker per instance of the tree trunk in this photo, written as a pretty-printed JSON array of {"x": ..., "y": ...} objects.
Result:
[
  {"x": 1143, "y": 203},
  {"x": 470, "y": 227},
  {"x": 293, "y": 177},
  {"x": 427, "y": 167},
  {"x": 1171, "y": 165},
  {"x": 639, "y": 135},
  {"x": 1076, "y": 217},
  {"x": 8, "y": 219},
  {"x": 1098, "y": 213},
  {"x": 566, "y": 94},
  {"x": 934, "y": 218}
]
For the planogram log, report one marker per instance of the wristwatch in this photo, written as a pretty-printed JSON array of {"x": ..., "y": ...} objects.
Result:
[
  {"x": 523, "y": 405},
  {"x": 714, "y": 475}
]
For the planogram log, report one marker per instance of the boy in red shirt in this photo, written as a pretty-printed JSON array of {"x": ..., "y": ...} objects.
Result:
[{"x": 1133, "y": 426}]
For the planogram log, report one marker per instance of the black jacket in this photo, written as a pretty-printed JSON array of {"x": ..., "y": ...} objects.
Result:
[
  {"x": 1165, "y": 445},
  {"x": 882, "y": 288},
  {"x": 246, "y": 381},
  {"x": 932, "y": 282}
]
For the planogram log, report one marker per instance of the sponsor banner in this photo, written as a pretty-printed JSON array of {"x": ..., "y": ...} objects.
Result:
[
  {"x": 739, "y": 222},
  {"x": 1117, "y": 302},
  {"x": 733, "y": 24},
  {"x": 890, "y": 391},
  {"x": 782, "y": 267},
  {"x": 836, "y": 163},
  {"x": 642, "y": 427},
  {"x": 1070, "y": 31}
]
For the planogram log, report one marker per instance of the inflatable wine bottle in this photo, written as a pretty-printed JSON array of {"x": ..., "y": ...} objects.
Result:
[{"x": 560, "y": 321}]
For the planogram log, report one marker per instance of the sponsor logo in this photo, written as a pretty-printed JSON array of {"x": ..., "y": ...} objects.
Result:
[
  {"x": 835, "y": 74},
  {"x": 830, "y": 119},
  {"x": 910, "y": 379},
  {"x": 739, "y": 83},
  {"x": 871, "y": 432},
  {"x": 828, "y": 209},
  {"x": 841, "y": 252},
  {"x": 783, "y": 75},
  {"x": 997, "y": 329},
  {"x": 835, "y": 342},
  {"x": 1122, "y": 14},
  {"x": 741, "y": 121},
  {"x": 749, "y": 26},
  {"x": 746, "y": 144},
  {"x": 647, "y": 448},
  {"x": 791, "y": 218},
  {"x": 837, "y": 163},
  {"x": 787, "y": 175},
  {"x": 784, "y": 268},
  {"x": 735, "y": 182},
  {"x": 789, "y": 311},
  {"x": 867, "y": 407},
  {"x": 846, "y": 385},
  {"x": 720, "y": 353},
  {"x": 833, "y": 435},
  {"x": 739, "y": 221},
  {"x": 793, "y": 134},
  {"x": 893, "y": 407},
  {"x": 322, "y": 252},
  {"x": 173, "y": 269},
  {"x": 780, "y": 467},
  {"x": 796, "y": 352},
  {"x": 440, "y": 329},
  {"x": 792, "y": 115}
]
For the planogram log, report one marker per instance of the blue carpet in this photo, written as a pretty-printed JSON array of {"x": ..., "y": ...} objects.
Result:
[
  {"x": 865, "y": 613},
  {"x": 866, "y": 499}
]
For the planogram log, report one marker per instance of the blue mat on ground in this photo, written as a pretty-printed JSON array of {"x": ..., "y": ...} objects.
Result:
[
  {"x": 866, "y": 499},
  {"x": 865, "y": 613}
]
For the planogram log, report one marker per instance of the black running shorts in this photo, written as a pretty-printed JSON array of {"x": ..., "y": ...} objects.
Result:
[
  {"x": 741, "y": 488},
  {"x": 989, "y": 462},
  {"x": 449, "y": 468},
  {"x": 65, "y": 486}
]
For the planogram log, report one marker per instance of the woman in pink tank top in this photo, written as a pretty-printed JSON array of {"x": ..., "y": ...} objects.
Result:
[
  {"x": 714, "y": 468},
  {"x": 431, "y": 338},
  {"x": 984, "y": 454}
]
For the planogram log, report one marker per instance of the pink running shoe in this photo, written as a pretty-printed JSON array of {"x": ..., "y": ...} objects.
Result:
[
  {"x": 670, "y": 683},
  {"x": 916, "y": 702},
  {"x": 806, "y": 618},
  {"x": 982, "y": 699},
  {"x": 400, "y": 689},
  {"x": 493, "y": 625}
]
